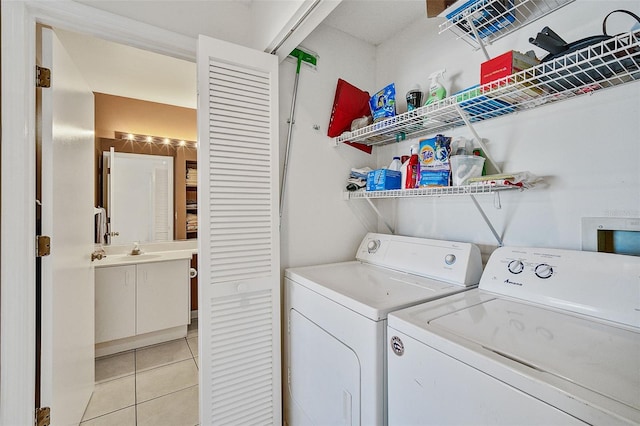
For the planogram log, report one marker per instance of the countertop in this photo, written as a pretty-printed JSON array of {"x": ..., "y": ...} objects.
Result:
[{"x": 150, "y": 252}]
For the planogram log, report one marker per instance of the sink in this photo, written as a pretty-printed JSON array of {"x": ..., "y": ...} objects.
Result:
[{"x": 143, "y": 256}]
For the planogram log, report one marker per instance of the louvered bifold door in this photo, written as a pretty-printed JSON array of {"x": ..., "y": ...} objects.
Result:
[{"x": 239, "y": 265}]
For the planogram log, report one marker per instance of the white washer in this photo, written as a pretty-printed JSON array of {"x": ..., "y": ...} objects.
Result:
[
  {"x": 336, "y": 322},
  {"x": 549, "y": 337}
]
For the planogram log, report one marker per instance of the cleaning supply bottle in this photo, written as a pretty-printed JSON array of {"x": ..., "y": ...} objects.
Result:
[
  {"x": 436, "y": 89},
  {"x": 395, "y": 164},
  {"x": 403, "y": 172},
  {"x": 411, "y": 178},
  {"x": 414, "y": 98}
]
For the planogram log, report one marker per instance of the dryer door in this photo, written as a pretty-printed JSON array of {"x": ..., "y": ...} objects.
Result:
[{"x": 324, "y": 376}]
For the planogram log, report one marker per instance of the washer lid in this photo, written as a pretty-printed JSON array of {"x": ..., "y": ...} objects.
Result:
[
  {"x": 594, "y": 355},
  {"x": 370, "y": 290}
]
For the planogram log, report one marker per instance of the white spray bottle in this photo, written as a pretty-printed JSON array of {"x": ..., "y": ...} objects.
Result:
[{"x": 436, "y": 89}]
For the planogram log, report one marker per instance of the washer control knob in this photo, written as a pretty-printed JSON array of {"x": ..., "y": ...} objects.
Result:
[
  {"x": 515, "y": 266},
  {"x": 450, "y": 259},
  {"x": 373, "y": 246},
  {"x": 544, "y": 271}
]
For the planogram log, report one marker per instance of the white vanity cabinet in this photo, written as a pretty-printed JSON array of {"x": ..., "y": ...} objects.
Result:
[
  {"x": 141, "y": 300},
  {"x": 162, "y": 295},
  {"x": 115, "y": 303}
]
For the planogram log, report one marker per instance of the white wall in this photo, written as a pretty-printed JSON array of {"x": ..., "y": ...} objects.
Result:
[
  {"x": 586, "y": 148},
  {"x": 318, "y": 226}
]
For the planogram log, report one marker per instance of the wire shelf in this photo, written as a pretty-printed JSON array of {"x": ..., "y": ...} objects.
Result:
[
  {"x": 600, "y": 66},
  {"x": 440, "y": 191},
  {"x": 494, "y": 19}
]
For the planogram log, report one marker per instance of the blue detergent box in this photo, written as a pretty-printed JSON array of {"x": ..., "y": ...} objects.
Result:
[
  {"x": 382, "y": 179},
  {"x": 434, "y": 161}
]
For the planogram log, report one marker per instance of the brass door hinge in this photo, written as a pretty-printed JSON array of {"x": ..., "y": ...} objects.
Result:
[
  {"x": 43, "y": 77},
  {"x": 43, "y": 245},
  {"x": 43, "y": 416}
]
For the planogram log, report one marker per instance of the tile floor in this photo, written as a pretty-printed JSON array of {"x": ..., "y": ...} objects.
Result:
[{"x": 155, "y": 385}]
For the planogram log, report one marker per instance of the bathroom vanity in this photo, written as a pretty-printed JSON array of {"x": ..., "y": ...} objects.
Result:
[{"x": 141, "y": 300}]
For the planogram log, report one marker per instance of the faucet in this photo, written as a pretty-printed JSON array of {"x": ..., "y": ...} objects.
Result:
[
  {"x": 98, "y": 255},
  {"x": 136, "y": 250}
]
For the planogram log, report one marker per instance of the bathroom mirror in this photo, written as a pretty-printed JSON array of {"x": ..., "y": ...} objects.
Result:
[
  {"x": 139, "y": 197},
  {"x": 137, "y": 126}
]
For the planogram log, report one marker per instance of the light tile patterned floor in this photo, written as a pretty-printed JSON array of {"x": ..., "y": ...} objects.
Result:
[{"x": 156, "y": 385}]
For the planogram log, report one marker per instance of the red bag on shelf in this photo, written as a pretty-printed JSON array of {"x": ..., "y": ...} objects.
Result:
[{"x": 349, "y": 103}]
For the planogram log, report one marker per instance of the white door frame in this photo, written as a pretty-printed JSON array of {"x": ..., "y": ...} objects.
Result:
[{"x": 17, "y": 225}]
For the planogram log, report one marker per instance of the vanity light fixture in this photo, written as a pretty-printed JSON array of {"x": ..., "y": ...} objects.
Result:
[{"x": 132, "y": 137}]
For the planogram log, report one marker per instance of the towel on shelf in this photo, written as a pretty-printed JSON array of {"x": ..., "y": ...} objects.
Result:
[
  {"x": 357, "y": 178},
  {"x": 360, "y": 173},
  {"x": 192, "y": 222},
  {"x": 100, "y": 224},
  {"x": 192, "y": 177}
]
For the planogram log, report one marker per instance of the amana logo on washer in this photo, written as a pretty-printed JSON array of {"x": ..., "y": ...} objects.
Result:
[{"x": 397, "y": 345}]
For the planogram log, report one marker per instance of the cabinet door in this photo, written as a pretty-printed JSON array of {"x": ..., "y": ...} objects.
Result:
[
  {"x": 162, "y": 295},
  {"x": 115, "y": 302}
]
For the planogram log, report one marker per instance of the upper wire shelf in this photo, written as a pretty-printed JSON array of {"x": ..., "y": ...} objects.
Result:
[
  {"x": 493, "y": 19},
  {"x": 603, "y": 65}
]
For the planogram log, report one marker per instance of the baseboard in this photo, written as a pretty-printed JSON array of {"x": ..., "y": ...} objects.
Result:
[{"x": 135, "y": 342}]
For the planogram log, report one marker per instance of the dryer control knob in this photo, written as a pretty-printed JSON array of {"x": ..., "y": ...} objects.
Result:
[
  {"x": 544, "y": 271},
  {"x": 373, "y": 246},
  {"x": 515, "y": 266},
  {"x": 450, "y": 259}
]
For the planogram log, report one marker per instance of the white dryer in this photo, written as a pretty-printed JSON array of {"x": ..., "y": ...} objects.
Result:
[
  {"x": 549, "y": 337},
  {"x": 336, "y": 322}
]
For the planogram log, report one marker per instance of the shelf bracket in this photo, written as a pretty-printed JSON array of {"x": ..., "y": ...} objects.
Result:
[
  {"x": 477, "y": 36},
  {"x": 380, "y": 215},
  {"x": 487, "y": 221},
  {"x": 466, "y": 120}
]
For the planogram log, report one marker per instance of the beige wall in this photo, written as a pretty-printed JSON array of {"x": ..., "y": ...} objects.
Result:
[
  {"x": 119, "y": 114},
  {"x": 115, "y": 113}
]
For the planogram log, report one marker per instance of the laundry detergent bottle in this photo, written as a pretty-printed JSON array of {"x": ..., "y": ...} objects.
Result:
[
  {"x": 411, "y": 178},
  {"x": 436, "y": 89}
]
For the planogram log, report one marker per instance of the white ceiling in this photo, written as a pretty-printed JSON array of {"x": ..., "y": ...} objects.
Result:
[
  {"x": 120, "y": 70},
  {"x": 124, "y": 71},
  {"x": 375, "y": 21},
  {"x": 222, "y": 19}
]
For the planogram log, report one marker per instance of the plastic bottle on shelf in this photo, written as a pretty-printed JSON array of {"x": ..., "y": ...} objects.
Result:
[
  {"x": 395, "y": 164},
  {"x": 411, "y": 178},
  {"x": 414, "y": 98},
  {"x": 461, "y": 146},
  {"x": 436, "y": 88},
  {"x": 403, "y": 173}
]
